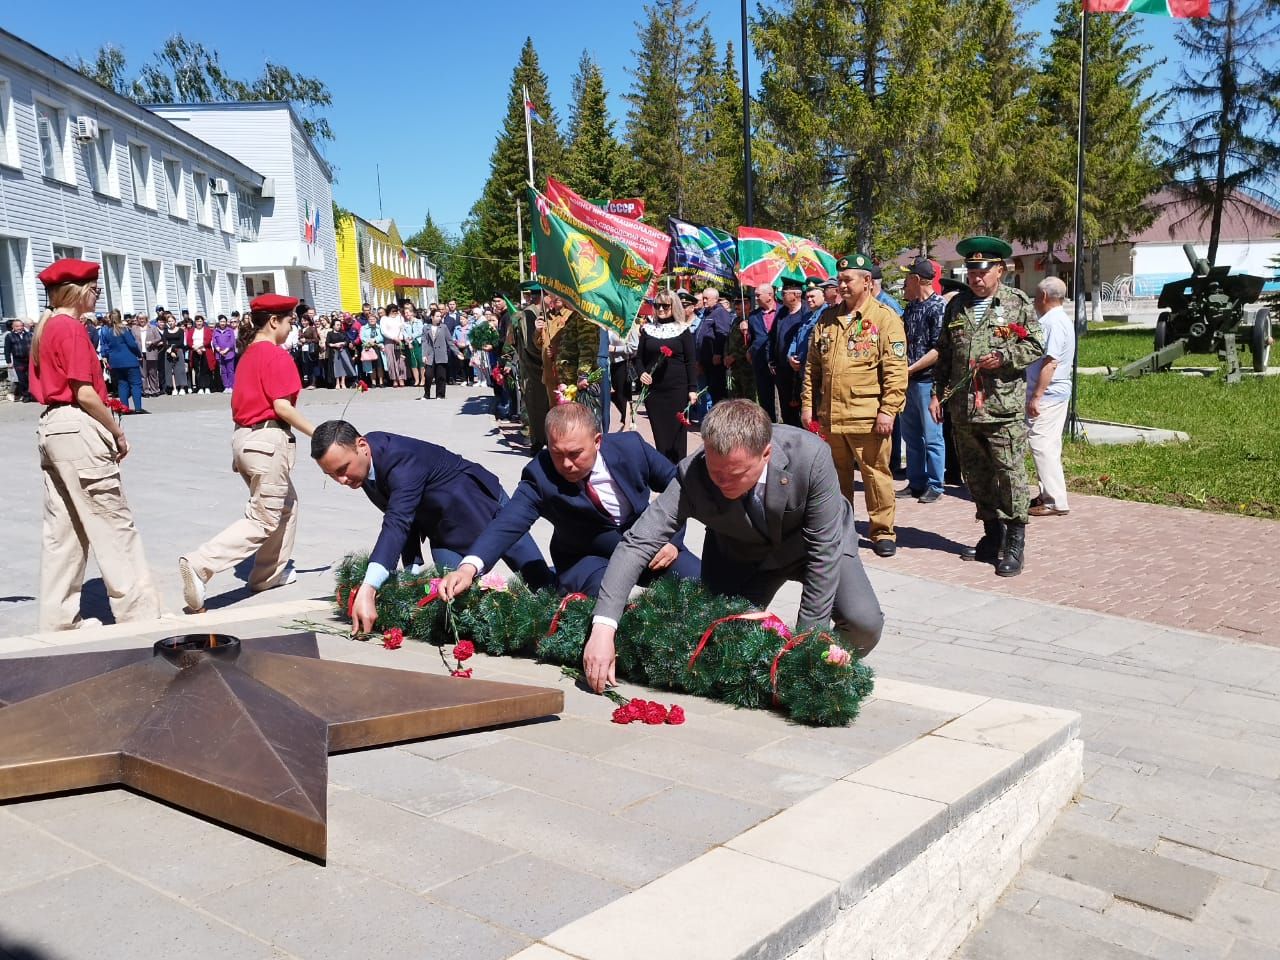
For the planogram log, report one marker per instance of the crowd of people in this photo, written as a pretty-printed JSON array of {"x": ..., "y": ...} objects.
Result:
[{"x": 795, "y": 390}]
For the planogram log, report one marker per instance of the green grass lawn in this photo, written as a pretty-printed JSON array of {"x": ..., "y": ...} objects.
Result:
[
  {"x": 1231, "y": 465},
  {"x": 1116, "y": 346}
]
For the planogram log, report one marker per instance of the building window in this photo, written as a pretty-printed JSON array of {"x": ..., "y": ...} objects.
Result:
[
  {"x": 64, "y": 251},
  {"x": 99, "y": 157},
  {"x": 184, "y": 291},
  {"x": 8, "y": 134},
  {"x": 140, "y": 164},
  {"x": 175, "y": 190},
  {"x": 247, "y": 209},
  {"x": 13, "y": 259},
  {"x": 233, "y": 291},
  {"x": 226, "y": 220},
  {"x": 152, "y": 285},
  {"x": 51, "y": 124},
  {"x": 115, "y": 277},
  {"x": 204, "y": 199}
]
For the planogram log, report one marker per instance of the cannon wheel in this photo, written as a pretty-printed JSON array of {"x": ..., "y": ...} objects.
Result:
[
  {"x": 1162, "y": 335},
  {"x": 1261, "y": 340}
]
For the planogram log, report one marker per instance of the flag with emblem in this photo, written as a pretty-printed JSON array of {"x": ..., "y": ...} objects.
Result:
[
  {"x": 601, "y": 277},
  {"x": 766, "y": 257},
  {"x": 699, "y": 251},
  {"x": 1179, "y": 9}
]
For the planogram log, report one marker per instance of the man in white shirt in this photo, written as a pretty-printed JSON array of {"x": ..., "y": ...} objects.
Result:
[{"x": 1048, "y": 398}]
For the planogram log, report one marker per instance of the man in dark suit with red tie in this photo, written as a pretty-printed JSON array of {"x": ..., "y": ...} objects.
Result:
[
  {"x": 593, "y": 488},
  {"x": 425, "y": 493}
]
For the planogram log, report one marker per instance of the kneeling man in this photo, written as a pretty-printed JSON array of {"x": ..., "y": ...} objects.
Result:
[
  {"x": 772, "y": 506},
  {"x": 593, "y": 488},
  {"x": 425, "y": 493}
]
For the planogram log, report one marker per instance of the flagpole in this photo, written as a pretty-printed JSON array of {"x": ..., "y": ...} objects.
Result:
[
  {"x": 1081, "y": 314},
  {"x": 520, "y": 238},
  {"x": 746, "y": 123},
  {"x": 528, "y": 134}
]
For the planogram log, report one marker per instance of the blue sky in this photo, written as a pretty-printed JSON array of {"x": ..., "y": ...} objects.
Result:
[{"x": 419, "y": 89}]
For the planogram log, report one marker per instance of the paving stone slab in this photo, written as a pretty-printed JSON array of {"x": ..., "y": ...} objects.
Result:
[
  {"x": 1007, "y": 935},
  {"x": 761, "y": 909},
  {"x": 501, "y": 894},
  {"x": 402, "y": 846},
  {"x": 1150, "y": 880},
  {"x": 1246, "y": 911},
  {"x": 557, "y": 773},
  {"x": 30, "y": 855},
  {"x": 708, "y": 818},
  {"x": 409, "y": 780},
  {"x": 100, "y": 913},
  {"x": 336, "y": 913}
]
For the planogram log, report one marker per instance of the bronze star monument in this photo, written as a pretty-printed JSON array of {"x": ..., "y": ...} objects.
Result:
[{"x": 239, "y": 732}]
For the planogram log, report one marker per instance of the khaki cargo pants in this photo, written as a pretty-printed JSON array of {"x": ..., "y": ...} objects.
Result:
[
  {"x": 264, "y": 459},
  {"x": 85, "y": 508}
]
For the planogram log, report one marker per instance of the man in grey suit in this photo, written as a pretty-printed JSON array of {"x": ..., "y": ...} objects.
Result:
[{"x": 771, "y": 502}]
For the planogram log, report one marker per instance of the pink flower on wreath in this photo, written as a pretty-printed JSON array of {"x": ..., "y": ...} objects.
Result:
[
  {"x": 772, "y": 622},
  {"x": 493, "y": 581},
  {"x": 433, "y": 592},
  {"x": 837, "y": 656}
]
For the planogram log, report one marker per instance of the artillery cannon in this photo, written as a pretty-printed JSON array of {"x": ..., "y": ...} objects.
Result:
[{"x": 1205, "y": 313}]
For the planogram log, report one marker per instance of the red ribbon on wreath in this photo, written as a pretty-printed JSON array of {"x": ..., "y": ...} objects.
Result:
[
  {"x": 753, "y": 615},
  {"x": 564, "y": 605},
  {"x": 773, "y": 667}
]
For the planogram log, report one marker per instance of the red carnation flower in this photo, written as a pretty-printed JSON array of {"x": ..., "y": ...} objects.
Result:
[
  {"x": 666, "y": 351},
  {"x": 682, "y": 420},
  {"x": 464, "y": 650},
  {"x": 393, "y": 638},
  {"x": 364, "y": 387},
  {"x": 1019, "y": 331},
  {"x": 463, "y": 674},
  {"x": 654, "y": 713},
  {"x": 816, "y": 429},
  {"x": 622, "y": 715},
  {"x": 675, "y": 715}
]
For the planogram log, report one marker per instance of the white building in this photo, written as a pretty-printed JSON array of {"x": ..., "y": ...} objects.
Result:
[
  {"x": 89, "y": 174},
  {"x": 284, "y": 252}
]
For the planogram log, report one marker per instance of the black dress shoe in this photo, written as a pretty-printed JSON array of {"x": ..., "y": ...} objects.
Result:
[
  {"x": 884, "y": 548},
  {"x": 932, "y": 495},
  {"x": 906, "y": 493}
]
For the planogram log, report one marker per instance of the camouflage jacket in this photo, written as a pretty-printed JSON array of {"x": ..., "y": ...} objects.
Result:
[
  {"x": 572, "y": 348},
  {"x": 988, "y": 396}
]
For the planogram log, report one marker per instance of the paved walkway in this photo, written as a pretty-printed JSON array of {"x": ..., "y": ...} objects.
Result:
[{"x": 1171, "y": 849}]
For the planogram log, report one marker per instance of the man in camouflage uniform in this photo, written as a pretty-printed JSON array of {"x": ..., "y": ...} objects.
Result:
[
  {"x": 737, "y": 358},
  {"x": 525, "y": 336},
  {"x": 855, "y": 383},
  {"x": 990, "y": 335},
  {"x": 571, "y": 348}
]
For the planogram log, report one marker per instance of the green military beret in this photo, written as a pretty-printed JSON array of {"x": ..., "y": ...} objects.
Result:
[
  {"x": 855, "y": 261},
  {"x": 790, "y": 283},
  {"x": 813, "y": 283},
  {"x": 982, "y": 252},
  {"x": 531, "y": 286}
]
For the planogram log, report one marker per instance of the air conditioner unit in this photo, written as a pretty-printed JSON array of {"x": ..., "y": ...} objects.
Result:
[
  {"x": 202, "y": 267},
  {"x": 221, "y": 187},
  {"x": 268, "y": 188},
  {"x": 86, "y": 128}
]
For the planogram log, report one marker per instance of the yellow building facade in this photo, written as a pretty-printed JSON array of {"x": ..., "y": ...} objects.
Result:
[{"x": 372, "y": 257}]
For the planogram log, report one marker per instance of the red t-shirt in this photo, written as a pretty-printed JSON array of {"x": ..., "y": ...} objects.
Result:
[
  {"x": 265, "y": 374},
  {"x": 66, "y": 354}
]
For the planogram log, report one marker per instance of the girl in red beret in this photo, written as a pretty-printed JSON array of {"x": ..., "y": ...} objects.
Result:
[
  {"x": 81, "y": 445},
  {"x": 263, "y": 448}
]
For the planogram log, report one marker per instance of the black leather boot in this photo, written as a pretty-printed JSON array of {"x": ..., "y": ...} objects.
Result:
[
  {"x": 988, "y": 548},
  {"x": 1015, "y": 542}
]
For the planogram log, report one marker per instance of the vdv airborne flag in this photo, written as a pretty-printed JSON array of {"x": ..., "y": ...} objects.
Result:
[
  {"x": 600, "y": 277},
  {"x": 705, "y": 252}
]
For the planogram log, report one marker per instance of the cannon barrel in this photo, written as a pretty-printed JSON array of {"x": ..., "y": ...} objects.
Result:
[{"x": 1199, "y": 266}]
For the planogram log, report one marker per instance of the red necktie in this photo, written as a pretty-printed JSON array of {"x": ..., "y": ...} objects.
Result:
[{"x": 595, "y": 498}]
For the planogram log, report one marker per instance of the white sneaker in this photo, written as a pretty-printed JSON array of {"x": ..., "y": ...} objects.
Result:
[
  {"x": 88, "y": 623},
  {"x": 192, "y": 586},
  {"x": 287, "y": 576}
]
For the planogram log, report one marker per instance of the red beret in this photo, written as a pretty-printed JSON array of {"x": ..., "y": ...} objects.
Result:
[
  {"x": 273, "y": 303},
  {"x": 68, "y": 271}
]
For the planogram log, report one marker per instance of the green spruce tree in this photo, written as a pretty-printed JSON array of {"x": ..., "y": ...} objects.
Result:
[
  {"x": 495, "y": 212},
  {"x": 657, "y": 130},
  {"x": 715, "y": 147},
  {"x": 1122, "y": 168},
  {"x": 1227, "y": 135},
  {"x": 595, "y": 163},
  {"x": 442, "y": 248}
]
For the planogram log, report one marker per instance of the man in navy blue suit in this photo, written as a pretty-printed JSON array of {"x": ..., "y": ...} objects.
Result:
[
  {"x": 425, "y": 493},
  {"x": 592, "y": 488},
  {"x": 759, "y": 328}
]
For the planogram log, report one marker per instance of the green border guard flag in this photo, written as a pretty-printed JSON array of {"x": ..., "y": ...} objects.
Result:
[
  {"x": 600, "y": 277},
  {"x": 1181, "y": 9}
]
